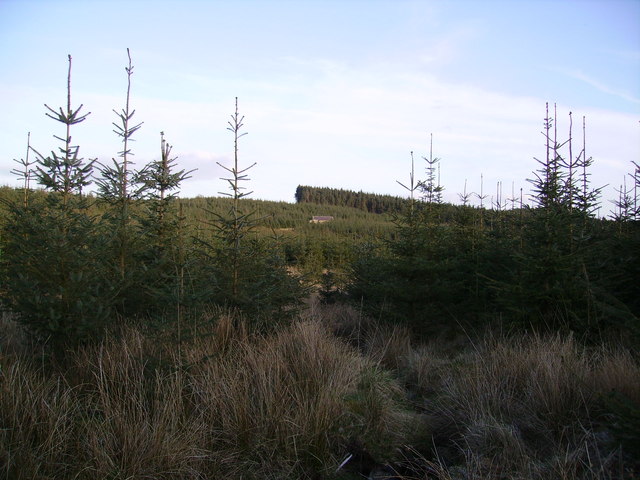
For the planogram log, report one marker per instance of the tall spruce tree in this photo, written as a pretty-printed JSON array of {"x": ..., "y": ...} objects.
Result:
[
  {"x": 421, "y": 276},
  {"x": 245, "y": 271},
  {"x": 119, "y": 188},
  {"x": 550, "y": 287},
  {"x": 52, "y": 275},
  {"x": 163, "y": 250}
]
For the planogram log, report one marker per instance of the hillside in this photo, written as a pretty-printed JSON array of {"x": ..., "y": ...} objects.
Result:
[
  {"x": 369, "y": 202},
  {"x": 310, "y": 247}
]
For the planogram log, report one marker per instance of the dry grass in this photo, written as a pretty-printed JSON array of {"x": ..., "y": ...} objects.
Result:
[
  {"x": 528, "y": 408},
  {"x": 231, "y": 405},
  {"x": 294, "y": 403},
  {"x": 38, "y": 431}
]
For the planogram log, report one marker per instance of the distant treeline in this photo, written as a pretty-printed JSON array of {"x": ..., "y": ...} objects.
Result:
[{"x": 369, "y": 202}]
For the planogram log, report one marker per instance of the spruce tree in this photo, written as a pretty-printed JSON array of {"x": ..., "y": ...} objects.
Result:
[
  {"x": 419, "y": 277},
  {"x": 25, "y": 173},
  {"x": 550, "y": 287},
  {"x": 618, "y": 258},
  {"x": 431, "y": 187},
  {"x": 163, "y": 250},
  {"x": 245, "y": 271},
  {"x": 53, "y": 278},
  {"x": 119, "y": 189}
]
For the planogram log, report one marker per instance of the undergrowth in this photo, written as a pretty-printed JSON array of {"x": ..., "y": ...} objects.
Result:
[{"x": 334, "y": 395}]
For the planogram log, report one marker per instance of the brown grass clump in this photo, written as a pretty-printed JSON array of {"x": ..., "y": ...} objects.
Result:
[
  {"x": 38, "y": 432},
  {"x": 139, "y": 423},
  {"x": 280, "y": 395},
  {"x": 613, "y": 370},
  {"x": 529, "y": 408},
  {"x": 285, "y": 405},
  {"x": 296, "y": 395},
  {"x": 388, "y": 346}
]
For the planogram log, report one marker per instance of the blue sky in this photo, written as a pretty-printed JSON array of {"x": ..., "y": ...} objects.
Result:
[{"x": 334, "y": 93}]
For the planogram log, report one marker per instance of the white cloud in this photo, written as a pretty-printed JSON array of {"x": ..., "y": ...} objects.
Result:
[
  {"x": 362, "y": 126},
  {"x": 324, "y": 123},
  {"x": 578, "y": 75}
]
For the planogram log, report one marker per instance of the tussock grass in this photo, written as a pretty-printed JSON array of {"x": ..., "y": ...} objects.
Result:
[
  {"x": 38, "y": 432},
  {"x": 529, "y": 407},
  {"x": 230, "y": 404},
  {"x": 294, "y": 403}
]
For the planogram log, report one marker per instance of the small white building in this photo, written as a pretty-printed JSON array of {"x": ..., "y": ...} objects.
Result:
[{"x": 320, "y": 219}]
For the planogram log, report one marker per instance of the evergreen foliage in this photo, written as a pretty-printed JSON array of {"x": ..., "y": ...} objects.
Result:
[
  {"x": 549, "y": 267},
  {"x": 25, "y": 173},
  {"x": 423, "y": 277},
  {"x": 164, "y": 250},
  {"x": 242, "y": 270},
  {"x": 550, "y": 287},
  {"x": 64, "y": 172},
  {"x": 431, "y": 188},
  {"x": 51, "y": 275},
  {"x": 119, "y": 187},
  {"x": 628, "y": 202},
  {"x": 369, "y": 202}
]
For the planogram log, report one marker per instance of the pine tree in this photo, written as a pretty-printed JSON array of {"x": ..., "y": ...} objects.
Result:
[
  {"x": 421, "y": 276},
  {"x": 64, "y": 172}
]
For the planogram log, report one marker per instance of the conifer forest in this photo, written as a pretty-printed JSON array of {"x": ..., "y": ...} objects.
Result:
[{"x": 144, "y": 335}]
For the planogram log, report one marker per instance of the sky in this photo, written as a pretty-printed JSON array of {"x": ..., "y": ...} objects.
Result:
[{"x": 334, "y": 93}]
